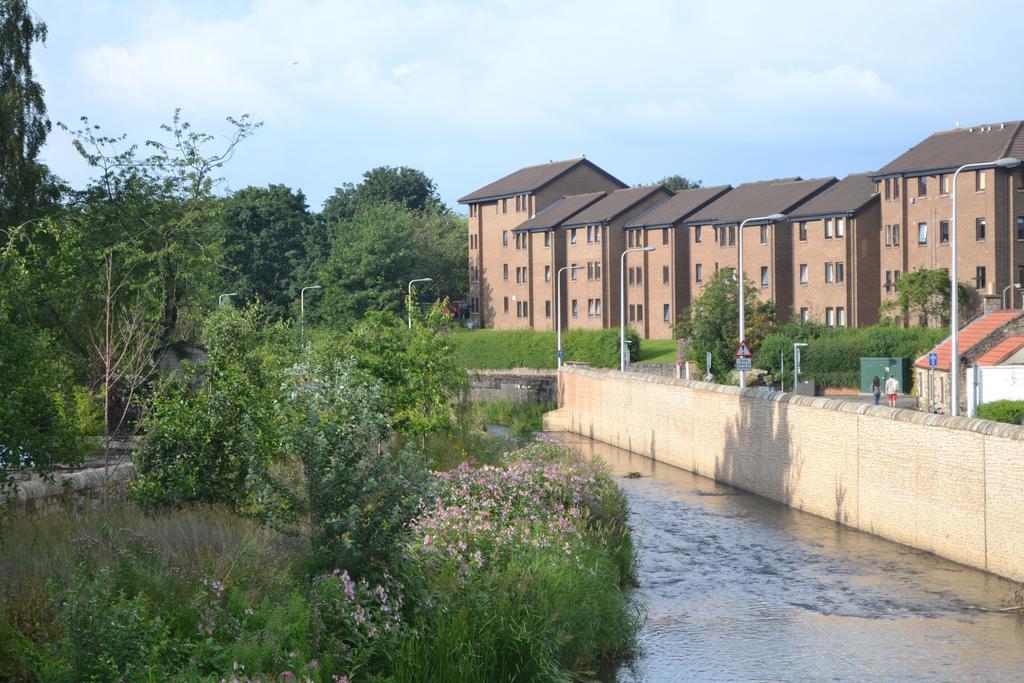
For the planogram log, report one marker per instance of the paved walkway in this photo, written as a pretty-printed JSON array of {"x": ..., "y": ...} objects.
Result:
[{"x": 907, "y": 401}]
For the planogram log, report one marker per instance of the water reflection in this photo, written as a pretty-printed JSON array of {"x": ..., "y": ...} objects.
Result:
[{"x": 739, "y": 587}]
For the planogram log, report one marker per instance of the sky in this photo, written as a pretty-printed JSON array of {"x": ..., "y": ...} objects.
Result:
[{"x": 726, "y": 91}]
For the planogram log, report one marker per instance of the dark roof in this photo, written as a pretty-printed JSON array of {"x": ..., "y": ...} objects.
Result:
[
  {"x": 949, "y": 149},
  {"x": 530, "y": 179},
  {"x": 762, "y": 198},
  {"x": 847, "y": 197},
  {"x": 615, "y": 204},
  {"x": 675, "y": 209},
  {"x": 560, "y": 211}
]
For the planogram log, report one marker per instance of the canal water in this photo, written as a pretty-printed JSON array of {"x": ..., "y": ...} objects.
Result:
[{"x": 737, "y": 587}]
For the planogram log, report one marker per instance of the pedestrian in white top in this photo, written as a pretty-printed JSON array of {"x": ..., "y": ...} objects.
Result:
[{"x": 892, "y": 387}]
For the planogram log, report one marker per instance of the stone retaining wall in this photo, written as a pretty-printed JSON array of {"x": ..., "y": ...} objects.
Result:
[
  {"x": 67, "y": 491},
  {"x": 519, "y": 385},
  {"x": 953, "y": 486}
]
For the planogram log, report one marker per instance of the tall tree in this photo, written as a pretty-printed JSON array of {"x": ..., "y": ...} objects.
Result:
[
  {"x": 24, "y": 182},
  {"x": 678, "y": 182},
  {"x": 264, "y": 231},
  {"x": 925, "y": 294},
  {"x": 409, "y": 187}
]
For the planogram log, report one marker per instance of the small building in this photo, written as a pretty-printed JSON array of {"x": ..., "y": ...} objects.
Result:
[{"x": 989, "y": 340}]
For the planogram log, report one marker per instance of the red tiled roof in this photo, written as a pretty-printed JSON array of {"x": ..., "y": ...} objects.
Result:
[
  {"x": 969, "y": 336},
  {"x": 1001, "y": 351}
]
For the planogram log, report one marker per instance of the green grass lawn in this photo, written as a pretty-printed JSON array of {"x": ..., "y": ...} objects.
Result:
[{"x": 657, "y": 351}]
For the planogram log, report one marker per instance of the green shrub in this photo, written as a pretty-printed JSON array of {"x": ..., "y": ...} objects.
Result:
[
  {"x": 502, "y": 349},
  {"x": 1011, "y": 412}
]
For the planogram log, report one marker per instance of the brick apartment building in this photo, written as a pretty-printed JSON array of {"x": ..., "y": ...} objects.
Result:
[
  {"x": 667, "y": 286},
  {"x": 595, "y": 239},
  {"x": 767, "y": 247},
  {"x": 495, "y": 298},
  {"x": 835, "y": 254},
  {"x": 916, "y": 208}
]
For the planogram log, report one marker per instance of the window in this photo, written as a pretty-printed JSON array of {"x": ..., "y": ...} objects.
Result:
[
  {"x": 666, "y": 313},
  {"x": 829, "y": 273},
  {"x": 803, "y": 273},
  {"x": 764, "y": 234},
  {"x": 841, "y": 317},
  {"x": 597, "y": 270},
  {"x": 572, "y": 237},
  {"x": 504, "y": 271},
  {"x": 732, "y": 235},
  {"x": 888, "y": 281},
  {"x": 698, "y": 272},
  {"x": 979, "y": 229},
  {"x": 840, "y": 272},
  {"x": 803, "y": 231},
  {"x": 922, "y": 186},
  {"x": 590, "y": 308},
  {"x": 575, "y": 308},
  {"x": 518, "y": 204},
  {"x": 764, "y": 276},
  {"x": 597, "y": 234},
  {"x": 639, "y": 275},
  {"x": 504, "y": 205},
  {"x": 1020, "y": 182},
  {"x": 888, "y": 235},
  {"x": 597, "y": 307},
  {"x": 547, "y": 273},
  {"x": 1020, "y": 275},
  {"x": 944, "y": 184},
  {"x": 664, "y": 275},
  {"x": 506, "y": 304},
  {"x": 547, "y": 238},
  {"x": 526, "y": 274},
  {"x": 896, "y": 235},
  {"x": 504, "y": 238},
  {"x": 1020, "y": 227},
  {"x": 696, "y": 235},
  {"x": 631, "y": 280},
  {"x": 830, "y": 317},
  {"x": 895, "y": 276},
  {"x": 526, "y": 309},
  {"x": 572, "y": 272},
  {"x": 840, "y": 228},
  {"x": 590, "y": 270},
  {"x": 547, "y": 308},
  {"x": 632, "y": 313},
  {"x": 828, "y": 228},
  {"x": 887, "y": 181},
  {"x": 640, "y": 312},
  {"x": 922, "y": 233},
  {"x": 980, "y": 277},
  {"x": 943, "y": 232},
  {"x": 895, "y": 188},
  {"x": 472, "y": 210},
  {"x": 590, "y": 234},
  {"x": 805, "y": 315},
  {"x": 664, "y": 235},
  {"x": 980, "y": 180}
]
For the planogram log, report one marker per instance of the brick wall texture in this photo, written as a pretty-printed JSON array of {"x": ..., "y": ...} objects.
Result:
[{"x": 950, "y": 486}]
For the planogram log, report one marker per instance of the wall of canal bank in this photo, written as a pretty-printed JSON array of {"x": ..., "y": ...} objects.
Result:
[{"x": 951, "y": 486}]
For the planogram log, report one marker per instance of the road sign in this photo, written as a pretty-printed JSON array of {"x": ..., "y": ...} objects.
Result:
[
  {"x": 933, "y": 360},
  {"x": 743, "y": 363},
  {"x": 743, "y": 351}
]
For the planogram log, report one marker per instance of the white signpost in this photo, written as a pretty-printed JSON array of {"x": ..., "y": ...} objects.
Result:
[{"x": 743, "y": 362}]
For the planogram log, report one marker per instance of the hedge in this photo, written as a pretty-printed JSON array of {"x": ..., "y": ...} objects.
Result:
[
  {"x": 1010, "y": 412},
  {"x": 502, "y": 349}
]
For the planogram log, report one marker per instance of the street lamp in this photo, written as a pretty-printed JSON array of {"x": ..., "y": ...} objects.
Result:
[
  {"x": 1015, "y": 285},
  {"x": 796, "y": 365},
  {"x": 954, "y": 363},
  {"x": 622, "y": 305},
  {"x": 409, "y": 295},
  {"x": 774, "y": 218},
  {"x": 558, "y": 288},
  {"x": 302, "y": 312},
  {"x": 220, "y": 299}
]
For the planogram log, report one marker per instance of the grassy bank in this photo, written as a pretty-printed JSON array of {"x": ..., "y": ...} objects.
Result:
[
  {"x": 501, "y": 349},
  {"x": 513, "y": 571}
]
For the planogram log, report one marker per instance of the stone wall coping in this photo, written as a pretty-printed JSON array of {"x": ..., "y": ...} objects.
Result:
[
  {"x": 985, "y": 427},
  {"x": 64, "y": 482},
  {"x": 523, "y": 372}
]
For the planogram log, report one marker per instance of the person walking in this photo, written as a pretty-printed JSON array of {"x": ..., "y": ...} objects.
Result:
[
  {"x": 876, "y": 389},
  {"x": 892, "y": 387}
]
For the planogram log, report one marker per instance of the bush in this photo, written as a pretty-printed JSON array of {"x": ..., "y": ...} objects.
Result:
[
  {"x": 1010, "y": 412},
  {"x": 501, "y": 349}
]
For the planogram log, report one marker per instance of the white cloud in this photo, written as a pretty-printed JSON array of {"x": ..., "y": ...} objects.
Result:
[{"x": 406, "y": 69}]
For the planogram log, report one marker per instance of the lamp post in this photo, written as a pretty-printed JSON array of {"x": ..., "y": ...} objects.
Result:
[
  {"x": 1015, "y": 285},
  {"x": 622, "y": 305},
  {"x": 796, "y": 365},
  {"x": 220, "y": 299},
  {"x": 773, "y": 218},
  {"x": 558, "y": 304},
  {"x": 302, "y": 312},
  {"x": 409, "y": 295},
  {"x": 954, "y": 361}
]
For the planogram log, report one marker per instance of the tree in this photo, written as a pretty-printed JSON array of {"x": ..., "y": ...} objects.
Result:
[
  {"x": 383, "y": 246},
  {"x": 925, "y": 294},
  {"x": 264, "y": 230},
  {"x": 406, "y": 186},
  {"x": 25, "y": 184},
  {"x": 678, "y": 182},
  {"x": 710, "y": 324}
]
